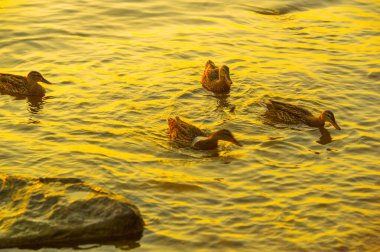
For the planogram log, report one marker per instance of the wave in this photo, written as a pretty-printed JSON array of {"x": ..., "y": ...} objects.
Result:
[{"x": 295, "y": 6}]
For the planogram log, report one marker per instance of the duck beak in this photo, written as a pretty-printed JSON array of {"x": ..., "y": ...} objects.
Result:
[
  {"x": 333, "y": 123},
  {"x": 229, "y": 80},
  {"x": 234, "y": 141},
  {"x": 45, "y": 81}
]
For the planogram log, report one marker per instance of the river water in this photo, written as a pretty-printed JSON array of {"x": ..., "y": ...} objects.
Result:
[{"x": 120, "y": 68}]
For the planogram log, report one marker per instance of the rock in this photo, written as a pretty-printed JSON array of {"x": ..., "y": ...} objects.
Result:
[{"x": 51, "y": 212}]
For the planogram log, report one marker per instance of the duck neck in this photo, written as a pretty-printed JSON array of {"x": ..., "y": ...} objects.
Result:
[
  {"x": 222, "y": 85},
  {"x": 205, "y": 143},
  {"x": 34, "y": 88},
  {"x": 223, "y": 79},
  {"x": 317, "y": 122}
]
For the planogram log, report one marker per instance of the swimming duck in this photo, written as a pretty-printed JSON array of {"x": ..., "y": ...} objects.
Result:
[
  {"x": 187, "y": 135},
  {"x": 20, "y": 85},
  {"x": 292, "y": 114},
  {"x": 216, "y": 79}
]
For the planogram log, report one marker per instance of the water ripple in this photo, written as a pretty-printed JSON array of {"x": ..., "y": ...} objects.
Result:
[{"x": 120, "y": 69}]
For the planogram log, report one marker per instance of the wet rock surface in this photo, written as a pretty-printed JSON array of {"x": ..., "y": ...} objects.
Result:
[{"x": 54, "y": 212}]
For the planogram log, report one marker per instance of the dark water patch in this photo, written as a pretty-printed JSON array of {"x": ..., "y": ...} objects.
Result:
[
  {"x": 125, "y": 13},
  {"x": 327, "y": 206},
  {"x": 374, "y": 200},
  {"x": 232, "y": 61},
  {"x": 202, "y": 6},
  {"x": 60, "y": 180},
  {"x": 173, "y": 186},
  {"x": 303, "y": 34},
  {"x": 296, "y": 28},
  {"x": 331, "y": 195},
  {"x": 374, "y": 76},
  {"x": 20, "y": 34},
  {"x": 252, "y": 199},
  {"x": 267, "y": 11},
  {"x": 227, "y": 243},
  {"x": 196, "y": 21},
  {"x": 363, "y": 190},
  {"x": 296, "y": 6},
  {"x": 372, "y": 179}
]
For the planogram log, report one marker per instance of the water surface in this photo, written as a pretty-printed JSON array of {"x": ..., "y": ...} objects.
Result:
[{"x": 121, "y": 68}]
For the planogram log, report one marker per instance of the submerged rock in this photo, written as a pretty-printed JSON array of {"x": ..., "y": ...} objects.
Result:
[{"x": 53, "y": 212}]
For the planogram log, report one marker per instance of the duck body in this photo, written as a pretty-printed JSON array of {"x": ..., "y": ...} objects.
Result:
[
  {"x": 25, "y": 86},
  {"x": 182, "y": 132},
  {"x": 292, "y": 114},
  {"x": 187, "y": 135},
  {"x": 216, "y": 80}
]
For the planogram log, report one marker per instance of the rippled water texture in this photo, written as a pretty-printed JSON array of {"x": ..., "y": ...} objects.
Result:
[{"x": 121, "y": 68}]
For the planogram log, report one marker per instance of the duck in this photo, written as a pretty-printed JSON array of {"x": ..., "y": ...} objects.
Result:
[
  {"x": 187, "y": 135},
  {"x": 292, "y": 114},
  {"x": 20, "y": 85},
  {"x": 216, "y": 80}
]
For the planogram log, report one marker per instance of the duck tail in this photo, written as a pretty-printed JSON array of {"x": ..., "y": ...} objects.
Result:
[
  {"x": 173, "y": 127},
  {"x": 173, "y": 122}
]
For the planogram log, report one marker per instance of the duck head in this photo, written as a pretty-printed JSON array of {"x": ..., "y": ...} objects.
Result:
[
  {"x": 225, "y": 135},
  {"x": 209, "y": 64},
  {"x": 35, "y": 77},
  {"x": 224, "y": 73},
  {"x": 328, "y": 116}
]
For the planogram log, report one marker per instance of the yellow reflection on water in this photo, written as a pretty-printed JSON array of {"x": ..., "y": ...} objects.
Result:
[
  {"x": 5, "y": 4},
  {"x": 118, "y": 72}
]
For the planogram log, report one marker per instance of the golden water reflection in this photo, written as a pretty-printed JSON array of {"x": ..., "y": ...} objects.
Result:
[{"x": 121, "y": 69}]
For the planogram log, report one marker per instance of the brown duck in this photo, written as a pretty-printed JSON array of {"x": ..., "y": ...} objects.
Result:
[
  {"x": 292, "y": 114},
  {"x": 20, "y": 85},
  {"x": 216, "y": 79},
  {"x": 187, "y": 135}
]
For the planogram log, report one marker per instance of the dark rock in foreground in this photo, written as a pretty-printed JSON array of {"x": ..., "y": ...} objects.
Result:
[{"x": 51, "y": 212}]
